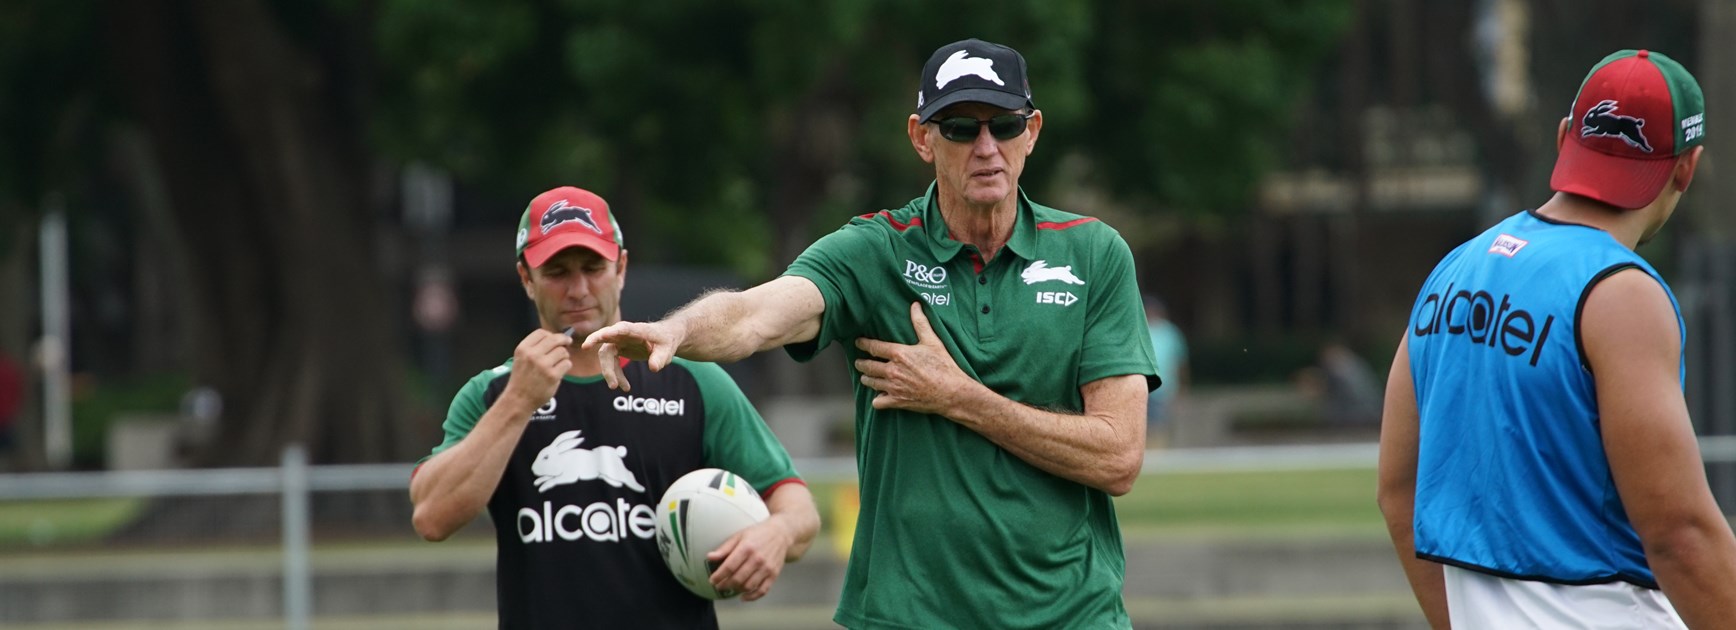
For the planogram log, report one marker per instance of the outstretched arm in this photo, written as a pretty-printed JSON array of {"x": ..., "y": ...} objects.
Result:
[
  {"x": 720, "y": 326},
  {"x": 1633, "y": 346},
  {"x": 1104, "y": 447},
  {"x": 1398, "y": 485}
]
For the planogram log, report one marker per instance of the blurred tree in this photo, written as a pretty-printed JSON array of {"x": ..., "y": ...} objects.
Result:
[
  {"x": 729, "y": 131},
  {"x": 725, "y": 126},
  {"x": 719, "y": 127},
  {"x": 46, "y": 105},
  {"x": 1189, "y": 103},
  {"x": 256, "y": 113},
  {"x": 252, "y": 118}
]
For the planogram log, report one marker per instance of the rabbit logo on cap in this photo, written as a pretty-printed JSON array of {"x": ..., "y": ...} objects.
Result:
[{"x": 961, "y": 64}]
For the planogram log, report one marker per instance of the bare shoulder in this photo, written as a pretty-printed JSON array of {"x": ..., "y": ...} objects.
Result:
[{"x": 1627, "y": 317}]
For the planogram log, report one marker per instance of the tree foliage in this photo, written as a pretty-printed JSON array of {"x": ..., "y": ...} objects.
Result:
[
  {"x": 50, "y": 94},
  {"x": 1193, "y": 100},
  {"x": 726, "y": 131},
  {"x": 749, "y": 118},
  {"x": 231, "y": 136}
]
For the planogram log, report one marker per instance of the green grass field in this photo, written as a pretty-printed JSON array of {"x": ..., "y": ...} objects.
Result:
[
  {"x": 1284, "y": 503},
  {"x": 33, "y": 524},
  {"x": 1245, "y": 504},
  {"x": 1252, "y": 504}
]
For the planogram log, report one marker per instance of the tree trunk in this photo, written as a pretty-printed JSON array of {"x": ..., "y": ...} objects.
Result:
[
  {"x": 18, "y": 287},
  {"x": 259, "y": 146}
]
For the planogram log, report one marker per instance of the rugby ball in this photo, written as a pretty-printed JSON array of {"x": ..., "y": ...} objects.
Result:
[{"x": 697, "y": 514}]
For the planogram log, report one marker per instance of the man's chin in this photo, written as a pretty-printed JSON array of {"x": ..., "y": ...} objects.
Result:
[
  {"x": 984, "y": 195},
  {"x": 581, "y": 328}
]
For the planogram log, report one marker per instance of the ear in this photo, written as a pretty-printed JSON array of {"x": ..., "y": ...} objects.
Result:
[
  {"x": 918, "y": 133},
  {"x": 621, "y": 266},
  {"x": 1561, "y": 132},
  {"x": 1685, "y": 167},
  {"x": 524, "y": 275},
  {"x": 1034, "y": 128}
]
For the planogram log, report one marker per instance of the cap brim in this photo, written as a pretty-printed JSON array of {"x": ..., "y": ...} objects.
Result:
[
  {"x": 1618, "y": 181},
  {"x": 543, "y": 250},
  {"x": 997, "y": 98}
]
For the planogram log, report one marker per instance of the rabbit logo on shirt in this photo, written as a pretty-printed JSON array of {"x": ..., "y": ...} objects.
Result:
[{"x": 563, "y": 462}]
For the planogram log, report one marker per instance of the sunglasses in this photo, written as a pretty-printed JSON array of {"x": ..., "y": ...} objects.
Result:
[{"x": 965, "y": 128}]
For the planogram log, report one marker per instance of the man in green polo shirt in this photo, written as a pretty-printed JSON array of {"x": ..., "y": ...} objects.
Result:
[{"x": 1002, "y": 364}]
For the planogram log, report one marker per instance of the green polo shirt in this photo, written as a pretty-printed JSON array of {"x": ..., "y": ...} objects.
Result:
[{"x": 955, "y": 532}]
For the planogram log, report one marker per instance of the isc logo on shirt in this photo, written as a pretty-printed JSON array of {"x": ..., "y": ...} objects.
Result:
[{"x": 1062, "y": 298}]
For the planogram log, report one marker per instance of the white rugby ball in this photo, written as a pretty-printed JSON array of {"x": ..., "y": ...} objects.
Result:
[{"x": 697, "y": 514}]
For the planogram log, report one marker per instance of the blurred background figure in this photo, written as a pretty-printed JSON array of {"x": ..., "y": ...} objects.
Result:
[
  {"x": 1171, "y": 348},
  {"x": 1344, "y": 386},
  {"x": 201, "y": 407},
  {"x": 11, "y": 404}
]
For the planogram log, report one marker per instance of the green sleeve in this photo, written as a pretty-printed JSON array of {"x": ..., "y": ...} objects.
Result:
[
  {"x": 1117, "y": 341},
  {"x": 736, "y": 438},
  {"x": 467, "y": 408},
  {"x": 831, "y": 264}
]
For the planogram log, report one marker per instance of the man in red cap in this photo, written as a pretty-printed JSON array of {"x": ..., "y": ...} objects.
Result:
[
  {"x": 571, "y": 471},
  {"x": 1538, "y": 467}
]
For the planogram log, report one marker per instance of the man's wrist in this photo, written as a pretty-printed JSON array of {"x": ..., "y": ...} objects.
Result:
[
  {"x": 973, "y": 402},
  {"x": 517, "y": 403},
  {"x": 680, "y": 326},
  {"x": 787, "y": 529}
]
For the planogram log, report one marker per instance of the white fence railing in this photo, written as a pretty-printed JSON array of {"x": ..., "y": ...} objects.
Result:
[
  {"x": 362, "y": 477},
  {"x": 294, "y": 481}
]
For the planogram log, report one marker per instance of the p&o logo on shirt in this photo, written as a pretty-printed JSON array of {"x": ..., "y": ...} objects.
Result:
[
  {"x": 932, "y": 278},
  {"x": 925, "y": 276}
]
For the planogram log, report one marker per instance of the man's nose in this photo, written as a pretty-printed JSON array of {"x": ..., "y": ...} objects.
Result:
[
  {"x": 985, "y": 143},
  {"x": 579, "y": 285}
]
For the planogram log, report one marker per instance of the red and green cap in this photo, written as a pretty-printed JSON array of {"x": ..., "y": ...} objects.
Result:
[
  {"x": 1636, "y": 111},
  {"x": 567, "y": 217}
]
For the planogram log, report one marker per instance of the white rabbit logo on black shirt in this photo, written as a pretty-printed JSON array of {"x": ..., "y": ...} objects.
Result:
[{"x": 563, "y": 462}]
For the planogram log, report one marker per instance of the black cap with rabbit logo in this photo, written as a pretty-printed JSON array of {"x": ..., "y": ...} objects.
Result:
[{"x": 973, "y": 71}]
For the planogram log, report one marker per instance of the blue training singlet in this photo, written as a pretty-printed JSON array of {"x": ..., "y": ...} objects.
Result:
[{"x": 1512, "y": 478}]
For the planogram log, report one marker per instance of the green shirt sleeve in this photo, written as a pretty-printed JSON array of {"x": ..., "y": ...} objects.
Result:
[
  {"x": 831, "y": 263},
  {"x": 466, "y": 409},
  {"x": 1117, "y": 341},
  {"x": 736, "y": 438}
]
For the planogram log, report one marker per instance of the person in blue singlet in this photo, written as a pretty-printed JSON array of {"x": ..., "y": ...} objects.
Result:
[{"x": 1538, "y": 467}]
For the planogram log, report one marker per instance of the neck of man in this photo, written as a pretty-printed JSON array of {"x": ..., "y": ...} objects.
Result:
[
  {"x": 1626, "y": 226},
  {"x": 987, "y": 227}
]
